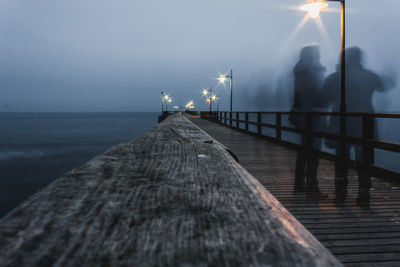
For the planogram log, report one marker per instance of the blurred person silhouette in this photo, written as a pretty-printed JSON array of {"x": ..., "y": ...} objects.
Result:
[
  {"x": 308, "y": 80},
  {"x": 361, "y": 84}
]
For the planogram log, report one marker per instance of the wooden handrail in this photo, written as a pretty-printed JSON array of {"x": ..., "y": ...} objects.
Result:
[{"x": 367, "y": 140}]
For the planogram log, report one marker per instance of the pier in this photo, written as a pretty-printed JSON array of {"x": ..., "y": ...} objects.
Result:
[
  {"x": 358, "y": 235},
  {"x": 173, "y": 197}
]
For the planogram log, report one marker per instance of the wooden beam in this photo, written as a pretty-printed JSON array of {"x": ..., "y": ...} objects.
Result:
[{"x": 174, "y": 197}]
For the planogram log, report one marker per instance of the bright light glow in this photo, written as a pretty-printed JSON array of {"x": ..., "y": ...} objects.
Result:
[
  {"x": 190, "y": 104},
  {"x": 222, "y": 78},
  {"x": 169, "y": 100},
  {"x": 214, "y": 97},
  {"x": 205, "y": 92},
  {"x": 314, "y": 7},
  {"x": 176, "y": 107}
]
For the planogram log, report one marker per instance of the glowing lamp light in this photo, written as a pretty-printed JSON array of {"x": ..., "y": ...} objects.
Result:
[
  {"x": 205, "y": 92},
  {"x": 222, "y": 78},
  {"x": 314, "y": 7},
  {"x": 214, "y": 97},
  {"x": 190, "y": 104}
]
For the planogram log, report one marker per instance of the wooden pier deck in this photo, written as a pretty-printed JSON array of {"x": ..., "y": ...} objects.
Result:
[{"x": 356, "y": 236}]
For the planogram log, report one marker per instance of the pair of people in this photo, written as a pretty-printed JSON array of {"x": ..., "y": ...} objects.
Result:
[{"x": 313, "y": 93}]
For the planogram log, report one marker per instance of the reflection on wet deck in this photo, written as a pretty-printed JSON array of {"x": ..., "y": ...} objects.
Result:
[{"x": 359, "y": 234}]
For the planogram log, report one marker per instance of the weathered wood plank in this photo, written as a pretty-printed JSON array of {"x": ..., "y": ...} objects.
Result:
[{"x": 172, "y": 197}]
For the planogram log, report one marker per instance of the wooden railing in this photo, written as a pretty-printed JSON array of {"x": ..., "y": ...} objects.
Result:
[{"x": 254, "y": 122}]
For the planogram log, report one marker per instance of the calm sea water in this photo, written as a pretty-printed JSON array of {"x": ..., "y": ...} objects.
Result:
[{"x": 37, "y": 148}]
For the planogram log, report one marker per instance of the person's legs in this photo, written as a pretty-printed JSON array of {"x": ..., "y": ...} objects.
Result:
[
  {"x": 364, "y": 181},
  {"x": 311, "y": 173},
  {"x": 341, "y": 179},
  {"x": 299, "y": 183},
  {"x": 341, "y": 182},
  {"x": 299, "y": 179}
]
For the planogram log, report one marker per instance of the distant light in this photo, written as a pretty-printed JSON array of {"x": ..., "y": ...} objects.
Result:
[
  {"x": 176, "y": 107},
  {"x": 222, "y": 78},
  {"x": 314, "y": 7},
  {"x": 214, "y": 97},
  {"x": 190, "y": 104},
  {"x": 205, "y": 92}
]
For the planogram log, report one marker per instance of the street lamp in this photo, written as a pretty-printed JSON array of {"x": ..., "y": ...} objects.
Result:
[
  {"x": 313, "y": 8},
  {"x": 167, "y": 99},
  {"x": 162, "y": 101},
  {"x": 190, "y": 105},
  {"x": 216, "y": 100},
  {"x": 210, "y": 98},
  {"x": 222, "y": 79}
]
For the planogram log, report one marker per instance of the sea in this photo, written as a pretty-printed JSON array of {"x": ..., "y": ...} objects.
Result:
[{"x": 37, "y": 148}]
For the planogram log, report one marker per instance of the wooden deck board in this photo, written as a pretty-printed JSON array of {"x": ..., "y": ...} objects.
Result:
[{"x": 356, "y": 235}]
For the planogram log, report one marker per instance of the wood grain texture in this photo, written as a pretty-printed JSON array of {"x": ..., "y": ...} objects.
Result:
[{"x": 172, "y": 197}]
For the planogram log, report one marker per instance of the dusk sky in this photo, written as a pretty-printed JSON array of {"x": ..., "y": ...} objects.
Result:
[{"x": 118, "y": 55}]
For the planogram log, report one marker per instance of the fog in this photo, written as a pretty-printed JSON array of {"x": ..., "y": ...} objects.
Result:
[{"x": 103, "y": 55}]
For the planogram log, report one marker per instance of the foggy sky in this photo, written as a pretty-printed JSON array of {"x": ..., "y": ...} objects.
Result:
[{"x": 118, "y": 55}]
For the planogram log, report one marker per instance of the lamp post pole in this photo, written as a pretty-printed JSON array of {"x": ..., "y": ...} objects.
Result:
[
  {"x": 162, "y": 101},
  {"x": 342, "y": 59},
  {"x": 222, "y": 79},
  {"x": 210, "y": 98},
  {"x": 231, "y": 84},
  {"x": 343, "y": 109}
]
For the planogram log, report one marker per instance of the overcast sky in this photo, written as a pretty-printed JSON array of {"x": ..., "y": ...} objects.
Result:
[{"x": 118, "y": 55}]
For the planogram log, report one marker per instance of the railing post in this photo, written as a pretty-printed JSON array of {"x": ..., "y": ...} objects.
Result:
[
  {"x": 225, "y": 117},
  {"x": 259, "y": 123},
  {"x": 368, "y": 134},
  {"x": 230, "y": 118},
  {"x": 308, "y": 131},
  {"x": 237, "y": 119},
  {"x": 247, "y": 121},
  {"x": 278, "y": 124}
]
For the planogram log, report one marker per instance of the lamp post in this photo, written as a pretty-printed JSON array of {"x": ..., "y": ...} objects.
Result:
[
  {"x": 313, "y": 8},
  {"x": 216, "y": 100},
  {"x": 162, "y": 101},
  {"x": 190, "y": 105},
  {"x": 222, "y": 79},
  {"x": 209, "y": 98},
  {"x": 167, "y": 99}
]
